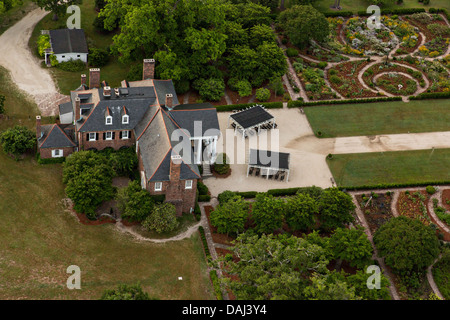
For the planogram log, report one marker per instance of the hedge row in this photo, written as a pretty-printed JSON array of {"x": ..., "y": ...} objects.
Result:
[
  {"x": 50, "y": 160},
  {"x": 439, "y": 10},
  {"x": 216, "y": 284},
  {"x": 395, "y": 185},
  {"x": 431, "y": 95},
  {"x": 393, "y": 11},
  {"x": 339, "y": 14},
  {"x": 273, "y": 192},
  {"x": 231, "y": 107},
  {"x": 295, "y": 104},
  {"x": 205, "y": 243},
  {"x": 204, "y": 198}
]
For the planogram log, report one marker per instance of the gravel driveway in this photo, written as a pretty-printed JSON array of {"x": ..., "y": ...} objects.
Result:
[{"x": 24, "y": 67}]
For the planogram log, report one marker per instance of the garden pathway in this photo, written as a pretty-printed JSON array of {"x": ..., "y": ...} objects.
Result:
[
  {"x": 24, "y": 67},
  {"x": 431, "y": 279}
]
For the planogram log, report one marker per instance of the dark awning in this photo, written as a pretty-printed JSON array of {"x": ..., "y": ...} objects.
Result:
[
  {"x": 251, "y": 117},
  {"x": 269, "y": 159}
]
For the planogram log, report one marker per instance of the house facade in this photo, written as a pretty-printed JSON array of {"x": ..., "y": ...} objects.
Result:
[
  {"x": 68, "y": 44},
  {"x": 169, "y": 137}
]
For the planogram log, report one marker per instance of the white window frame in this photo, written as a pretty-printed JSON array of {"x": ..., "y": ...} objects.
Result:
[
  {"x": 94, "y": 135},
  {"x": 125, "y": 135},
  {"x": 110, "y": 120},
  {"x": 106, "y": 135},
  {"x": 57, "y": 153},
  {"x": 158, "y": 186},
  {"x": 125, "y": 119},
  {"x": 188, "y": 184}
]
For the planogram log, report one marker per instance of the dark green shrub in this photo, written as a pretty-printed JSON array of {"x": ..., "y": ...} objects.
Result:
[
  {"x": 202, "y": 188},
  {"x": 72, "y": 65},
  {"x": 222, "y": 165},
  {"x": 262, "y": 94},
  {"x": 430, "y": 189},
  {"x": 291, "y": 52}
]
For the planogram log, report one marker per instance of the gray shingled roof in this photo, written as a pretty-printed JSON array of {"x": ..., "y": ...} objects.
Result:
[
  {"x": 204, "y": 120},
  {"x": 163, "y": 87},
  {"x": 68, "y": 40},
  {"x": 65, "y": 108},
  {"x": 54, "y": 137}
]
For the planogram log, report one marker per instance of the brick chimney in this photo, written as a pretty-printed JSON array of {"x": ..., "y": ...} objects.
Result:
[
  {"x": 175, "y": 166},
  {"x": 38, "y": 127},
  {"x": 83, "y": 79},
  {"x": 169, "y": 101},
  {"x": 77, "y": 109},
  {"x": 94, "y": 78},
  {"x": 148, "y": 71},
  {"x": 107, "y": 92}
]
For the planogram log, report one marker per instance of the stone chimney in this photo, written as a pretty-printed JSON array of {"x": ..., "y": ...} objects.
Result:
[
  {"x": 175, "y": 166},
  {"x": 83, "y": 79},
  {"x": 77, "y": 114},
  {"x": 94, "y": 78},
  {"x": 169, "y": 101},
  {"x": 148, "y": 71},
  {"x": 38, "y": 127}
]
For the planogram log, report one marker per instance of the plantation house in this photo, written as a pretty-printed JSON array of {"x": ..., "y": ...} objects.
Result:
[{"x": 171, "y": 139}]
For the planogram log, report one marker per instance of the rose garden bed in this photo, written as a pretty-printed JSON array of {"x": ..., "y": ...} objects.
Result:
[{"x": 396, "y": 84}]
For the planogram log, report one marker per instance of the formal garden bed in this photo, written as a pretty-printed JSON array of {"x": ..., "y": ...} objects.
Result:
[
  {"x": 446, "y": 198},
  {"x": 413, "y": 204},
  {"x": 394, "y": 68},
  {"x": 344, "y": 79},
  {"x": 396, "y": 84},
  {"x": 376, "y": 208}
]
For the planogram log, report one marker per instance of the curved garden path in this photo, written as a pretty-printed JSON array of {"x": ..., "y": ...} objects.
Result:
[{"x": 24, "y": 67}]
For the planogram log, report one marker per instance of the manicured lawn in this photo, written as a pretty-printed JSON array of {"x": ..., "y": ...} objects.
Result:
[
  {"x": 380, "y": 118},
  {"x": 420, "y": 166},
  {"x": 114, "y": 72}
]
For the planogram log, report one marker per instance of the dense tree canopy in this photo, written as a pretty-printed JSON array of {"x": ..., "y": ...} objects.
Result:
[
  {"x": 336, "y": 208},
  {"x": 134, "y": 203},
  {"x": 351, "y": 245},
  {"x": 231, "y": 216},
  {"x": 267, "y": 213},
  {"x": 407, "y": 244},
  {"x": 303, "y": 23},
  {"x": 163, "y": 218},
  {"x": 125, "y": 292},
  {"x": 17, "y": 140},
  {"x": 300, "y": 212}
]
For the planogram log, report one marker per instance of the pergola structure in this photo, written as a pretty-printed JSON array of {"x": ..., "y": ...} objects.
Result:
[
  {"x": 250, "y": 120},
  {"x": 268, "y": 163}
]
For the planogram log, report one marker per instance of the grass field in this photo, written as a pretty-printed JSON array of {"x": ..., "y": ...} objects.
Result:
[
  {"x": 114, "y": 72},
  {"x": 421, "y": 166},
  {"x": 39, "y": 239},
  {"x": 380, "y": 118}
]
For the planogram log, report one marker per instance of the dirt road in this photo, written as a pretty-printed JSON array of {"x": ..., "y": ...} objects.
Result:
[{"x": 25, "y": 69}]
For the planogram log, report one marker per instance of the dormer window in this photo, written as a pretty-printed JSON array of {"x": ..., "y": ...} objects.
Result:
[
  {"x": 108, "y": 120},
  {"x": 125, "y": 119}
]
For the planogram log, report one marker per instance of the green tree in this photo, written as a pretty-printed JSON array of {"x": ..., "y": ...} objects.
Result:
[
  {"x": 123, "y": 161},
  {"x": 162, "y": 219},
  {"x": 2, "y": 104},
  {"x": 17, "y": 140},
  {"x": 351, "y": 245},
  {"x": 336, "y": 208},
  {"x": 89, "y": 189},
  {"x": 211, "y": 89},
  {"x": 304, "y": 23},
  {"x": 222, "y": 164},
  {"x": 231, "y": 216},
  {"x": 126, "y": 292},
  {"x": 81, "y": 161},
  {"x": 300, "y": 212},
  {"x": 57, "y": 7},
  {"x": 359, "y": 282},
  {"x": 262, "y": 94},
  {"x": 259, "y": 34},
  {"x": 244, "y": 88},
  {"x": 134, "y": 202},
  {"x": 267, "y": 213},
  {"x": 406, "y": 244},
  {"x": 271, "y": 267},
  {"x": 330, "y": 286}
]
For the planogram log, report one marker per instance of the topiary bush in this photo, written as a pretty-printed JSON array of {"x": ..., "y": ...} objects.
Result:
[
  {"x": 222, "y": 165},
  {"x": 262, "y": 94}
]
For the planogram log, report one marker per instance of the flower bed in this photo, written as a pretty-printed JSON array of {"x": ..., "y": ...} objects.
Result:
[
  {"x": 391, "y": 67},
  {"x": 446, "y": 198},
  {"x": 344, "y": 79},
  {"x": 414, "y": 205},
  {"x": 312, "y": 79},
  {"x": 396, "y": 84},
  {"x": 377, "y": 210}
]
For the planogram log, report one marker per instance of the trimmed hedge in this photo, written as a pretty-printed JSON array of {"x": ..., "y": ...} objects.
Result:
[
  {"x": 439, "y": 10},
  {"x": 295, "y": 104},
  {"x": 395, "y": 185},
  {"x": 216, "y": 284},
  {"x": 338, "y": 14},
  {"x": 247, "y": 194},
  {"x": 394, "y": 11},
  {"x": 431, "y": 95},
  {"x": 231, "y": 107},
  {"x": 204, "y": 198},
  {"x": 50, "y": 160},
  {"x": 205, "y": 243}
]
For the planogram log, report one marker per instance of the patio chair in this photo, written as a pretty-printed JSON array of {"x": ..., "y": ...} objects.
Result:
[
  {"x": 277, "y": 175},
  {"x": 257, "y": 171},
  {"x": 282, "y": 176},
  {"x": 250, "y": 171}
]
